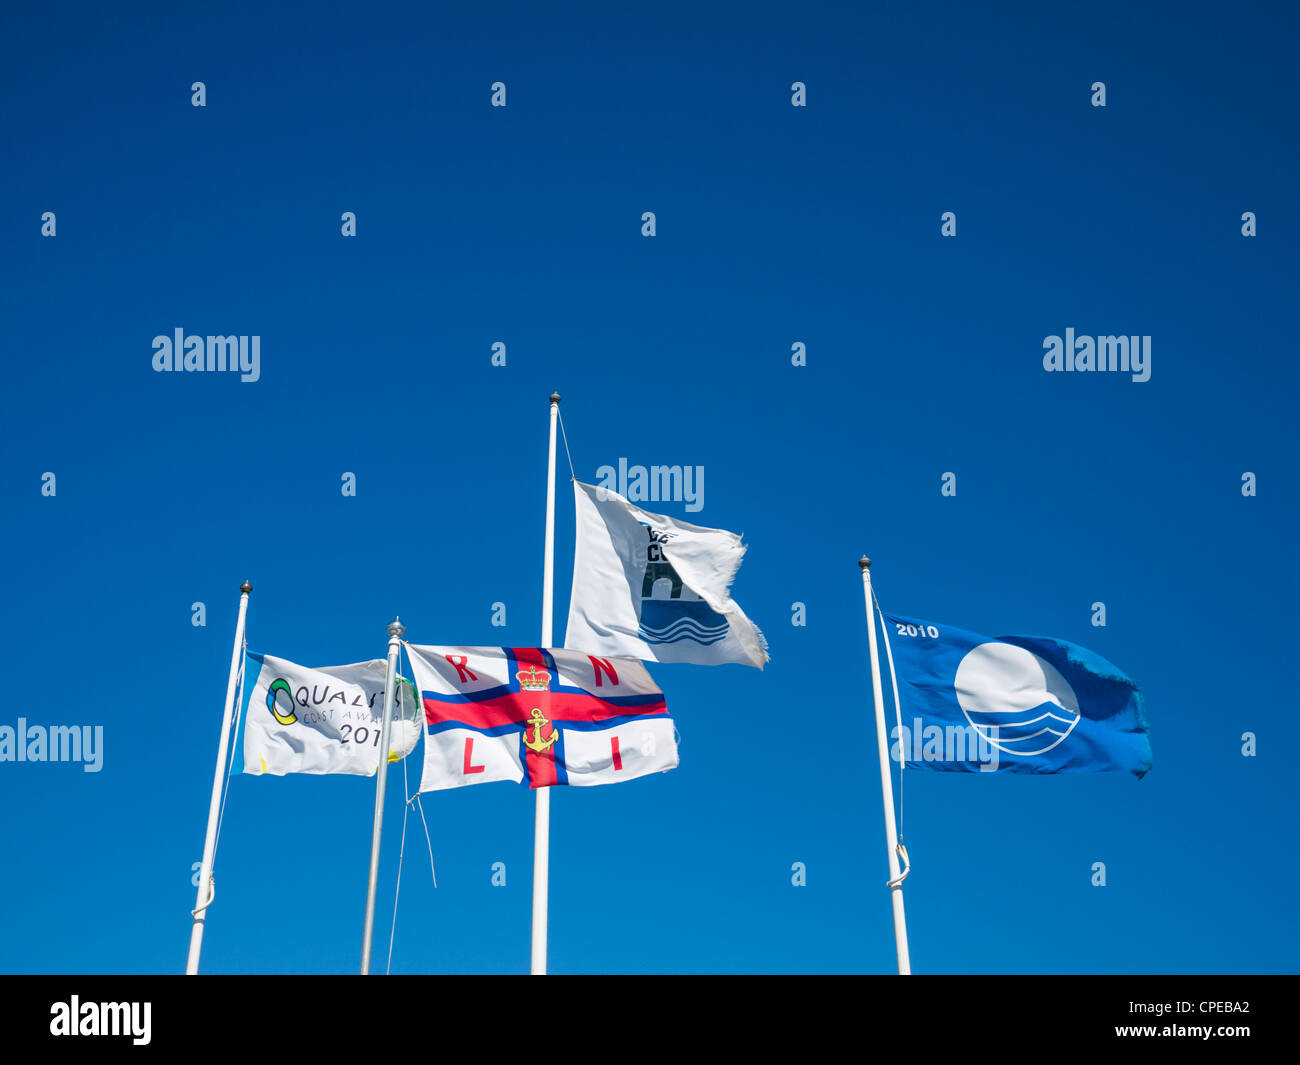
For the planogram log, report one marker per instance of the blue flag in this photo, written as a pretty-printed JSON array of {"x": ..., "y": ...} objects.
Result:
[{"x": 1022, "y": 704}]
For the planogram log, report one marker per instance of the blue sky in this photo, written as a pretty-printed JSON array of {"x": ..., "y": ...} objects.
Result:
[{"x": 775, "y": 225}]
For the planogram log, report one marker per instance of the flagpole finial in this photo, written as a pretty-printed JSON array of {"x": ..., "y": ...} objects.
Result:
[
  {"x": 396, "y": 628},
  {"x": 246, "y": 587},
  {"x": 864, "y": 562},
  {"x": 555, "y": 397}
]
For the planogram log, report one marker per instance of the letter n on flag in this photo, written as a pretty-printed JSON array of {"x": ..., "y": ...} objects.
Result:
[{"x": 545, "y": 716}]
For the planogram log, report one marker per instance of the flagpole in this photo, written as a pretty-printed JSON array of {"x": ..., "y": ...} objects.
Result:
[
  {"x": 395, "y": 632},
  {"x": 207, "y": 888},
  {"x": 886, "y": 782},
  {"x": 542, "y": 821}
]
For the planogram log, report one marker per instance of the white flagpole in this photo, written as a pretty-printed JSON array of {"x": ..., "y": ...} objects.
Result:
[
  {"x": 395, "y": 632},
  {"x": 207, "y": 886},
  {"x": 886, "y": 783},
  {"x": 542, "y": 822}
]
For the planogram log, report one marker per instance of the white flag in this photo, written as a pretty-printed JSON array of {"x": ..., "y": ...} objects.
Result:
[
  {"x": 328, "y": 720},
  {"x": 651, "y": 587}
]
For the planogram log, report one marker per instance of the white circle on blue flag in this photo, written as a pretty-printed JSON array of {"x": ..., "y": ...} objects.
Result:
[{"x": 1015, "y": 700}]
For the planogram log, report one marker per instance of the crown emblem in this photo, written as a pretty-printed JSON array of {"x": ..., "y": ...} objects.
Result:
[{"x": 534, "y": 680}]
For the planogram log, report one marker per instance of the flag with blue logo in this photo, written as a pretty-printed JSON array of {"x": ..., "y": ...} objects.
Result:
[
  {"x": 651, "y": 587},
  {"x": 1022, "y": 704}
]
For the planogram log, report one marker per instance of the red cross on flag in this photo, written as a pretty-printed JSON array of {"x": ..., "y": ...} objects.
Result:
[{"x": 552, "y": 716}]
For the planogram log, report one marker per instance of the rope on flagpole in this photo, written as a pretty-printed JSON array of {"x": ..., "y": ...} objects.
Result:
[
  {"x": 225, "y": 791},
  {"x": 406, "y": 809},
  {"x": 572, "y": 474},
  {"x": 416, "y": 797},
  {"x": 902, "y": 760},
  {"x": 432, "y": 871},
  {"x": 230, "y": 762},
  {"x": 907, "y": 867}
]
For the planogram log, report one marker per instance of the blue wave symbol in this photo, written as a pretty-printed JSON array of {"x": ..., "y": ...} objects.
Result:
[
  {"x": 668, "y": 621},
  {"x": 1027, "y": 731},
  {"x": 684, "y": 631}
]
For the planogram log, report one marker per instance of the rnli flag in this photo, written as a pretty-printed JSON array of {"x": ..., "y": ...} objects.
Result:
[{"x": 542, "y": 716}]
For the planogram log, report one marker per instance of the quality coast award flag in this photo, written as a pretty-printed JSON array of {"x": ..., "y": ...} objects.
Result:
[
  {"x": 545, "y": 716},
  {"x": 1024, "y": 704},
  {"x": 650, "y": 587},
  {"x": 327, "y": 720}
]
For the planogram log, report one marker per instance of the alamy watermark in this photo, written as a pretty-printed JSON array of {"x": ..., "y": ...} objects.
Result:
[
  {"x": 196, "y": 354},
  {"x": 654, "y": 484},
  {"x": 53, "y": 743},
  {"x": 77, "y": 1018},
  {"x": 945, "y": 743},
  {"x": 1084, "y": 354}
]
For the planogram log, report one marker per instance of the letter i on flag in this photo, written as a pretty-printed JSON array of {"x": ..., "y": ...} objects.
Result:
[{"x": 537, "y": 715}]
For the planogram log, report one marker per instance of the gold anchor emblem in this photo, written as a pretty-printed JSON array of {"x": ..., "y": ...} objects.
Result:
[{"x": 535, "y": 722}]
